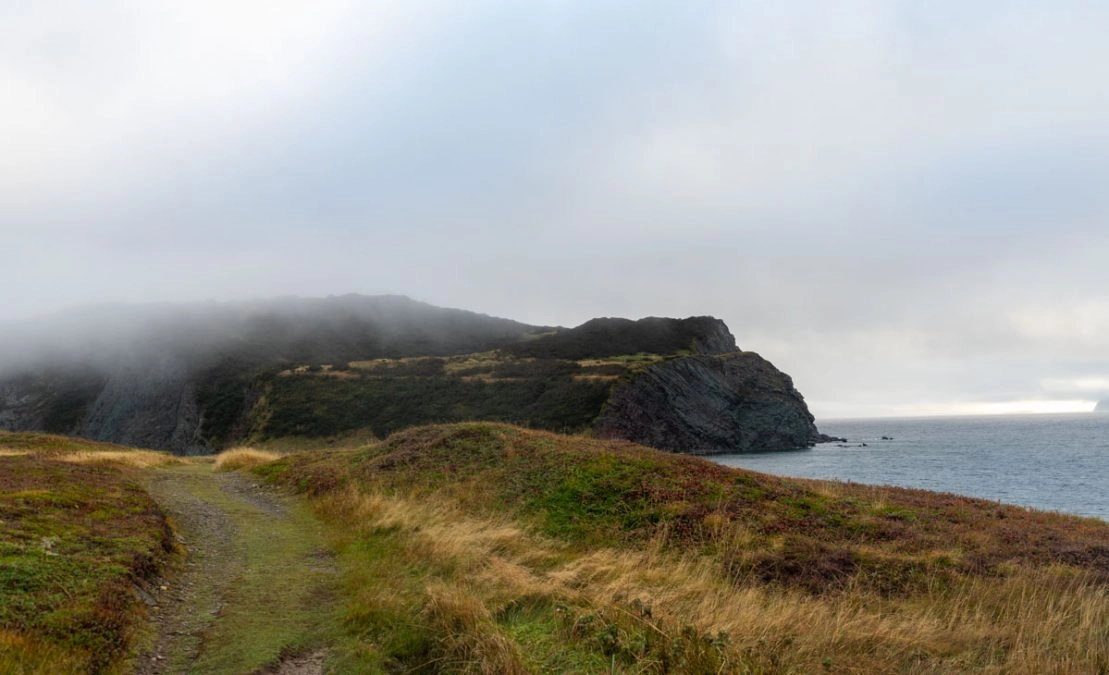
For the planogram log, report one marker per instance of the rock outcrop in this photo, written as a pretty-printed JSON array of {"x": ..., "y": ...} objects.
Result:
[
  {"x": 152, "y": 407},
  {"x": 707, "y": 404},
  {"x": 598, "y": 338}
]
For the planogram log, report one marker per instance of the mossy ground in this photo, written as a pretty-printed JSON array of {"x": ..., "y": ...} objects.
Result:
[{"x": 75, "y": 540}]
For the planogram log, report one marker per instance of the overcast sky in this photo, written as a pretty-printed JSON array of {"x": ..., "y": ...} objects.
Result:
[{"x": 903, "y": 204}]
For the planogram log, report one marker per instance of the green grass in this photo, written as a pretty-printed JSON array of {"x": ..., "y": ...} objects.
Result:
[
  {"x": 381, "y": 396},
  {"x": 279, "y": 600},
  {"x": 312, "y": 405},
  {"x": 74, "y": 540}
]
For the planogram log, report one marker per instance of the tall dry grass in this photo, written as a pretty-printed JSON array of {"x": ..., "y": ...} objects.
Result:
[
  {"x": 25, "y": 655},
  {"x": 468, "y": 638},
  {"x": 1050, "y": 620},
  {"x": 244, "y": 458},
  {"x": 139, "y": 459}
]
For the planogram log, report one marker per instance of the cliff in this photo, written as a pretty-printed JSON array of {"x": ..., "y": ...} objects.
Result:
[
  {"x": 220, "y": 375},
  {"x": 737, "y": 402}
]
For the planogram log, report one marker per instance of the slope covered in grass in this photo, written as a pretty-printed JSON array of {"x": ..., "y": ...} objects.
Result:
[
  {"x": 484, "y": 547},
  {"x": 77, "y": 532}
]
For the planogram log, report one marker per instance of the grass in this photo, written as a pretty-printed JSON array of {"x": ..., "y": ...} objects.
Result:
[
  {"x": 381, "y": 396},
  {"x": 274, "y": 596},
  {"x": 139, "y": 459},
  {"x": 243, "y": 458},
  {"x": 78, "y": 534},
  {"x": 489, "y": 548},
  {"x": 541, "y": 394}
]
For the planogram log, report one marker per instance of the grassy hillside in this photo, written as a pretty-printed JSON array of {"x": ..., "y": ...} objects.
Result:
[
  {"x": 483, "y": 547},
  {"x": 489, "y": 548},
  {"x": 78, "y": 534},
  {"x": 384, "y": 395}
]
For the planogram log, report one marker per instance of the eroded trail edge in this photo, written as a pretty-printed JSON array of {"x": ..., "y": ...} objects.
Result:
[{"x": 255, "y": 588}]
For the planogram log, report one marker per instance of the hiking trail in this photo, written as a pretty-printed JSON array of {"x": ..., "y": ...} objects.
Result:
[{"x": 255, "y": 589}]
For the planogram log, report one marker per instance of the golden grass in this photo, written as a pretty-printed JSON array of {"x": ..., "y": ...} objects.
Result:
[
  {"x": 1050, "y": 620},
  {"x": 5, "y": 452},
  {"x": 468, "y": 637},
  {"x": 244, "y": 458},
  {"x": 463, "y": 537},
  {"x": 27, "y": 656},
  {"x": 596, "y": 378},
  {"x": 139, "y": 459}
]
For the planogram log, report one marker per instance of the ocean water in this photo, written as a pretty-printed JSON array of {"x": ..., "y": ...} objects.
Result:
[{"x": 1052, "y": 462}]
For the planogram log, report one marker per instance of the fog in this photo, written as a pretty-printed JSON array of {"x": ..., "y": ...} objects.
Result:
[
  {"x": 900, "y": 204},
  {"x": 196, "y": 336}
]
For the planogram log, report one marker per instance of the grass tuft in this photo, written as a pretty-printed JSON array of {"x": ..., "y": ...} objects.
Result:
[
  {"x": 244, "y": 458},
  {"x": 139, "y": 459}
]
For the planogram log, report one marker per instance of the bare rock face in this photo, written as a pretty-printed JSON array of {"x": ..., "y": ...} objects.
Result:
[
  {"x": 710, "y": 404},
  {"x": 153, "y": 406},
  {"x": 18, "y": 408},
  {"x": 51, "y": 400}
]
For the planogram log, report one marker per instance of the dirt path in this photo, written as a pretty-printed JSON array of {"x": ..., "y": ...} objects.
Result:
[{"x": 255, "y": 590}]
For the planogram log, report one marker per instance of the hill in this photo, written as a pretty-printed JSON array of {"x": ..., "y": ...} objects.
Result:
[
  {"x": 489, "y": 548},
  {"x": 195, "y": 378}
]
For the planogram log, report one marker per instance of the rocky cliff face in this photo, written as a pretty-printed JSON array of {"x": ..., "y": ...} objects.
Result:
[
  {"x": 151, "y": 407},
  {"x": 705, "y": 404}
]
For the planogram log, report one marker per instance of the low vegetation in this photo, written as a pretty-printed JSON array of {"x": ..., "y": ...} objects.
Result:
[
  {"x": 489, "y": 548},
  {"x": 386, "y": 395},
  {"x": 139, "y": 459},
  {"x": 78, "y": 535},
  {"x": 243, "y": 458},
  {"x": 483, "y": 547}
]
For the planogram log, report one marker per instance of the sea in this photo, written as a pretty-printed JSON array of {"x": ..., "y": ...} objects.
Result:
[{"x": 1053, "y": 462}]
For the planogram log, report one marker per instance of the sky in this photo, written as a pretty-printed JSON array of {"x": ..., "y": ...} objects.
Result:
[{"x": 901, "y": 204}]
